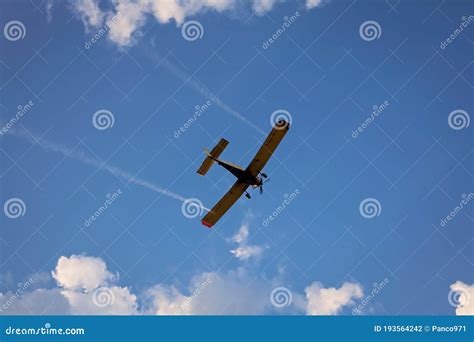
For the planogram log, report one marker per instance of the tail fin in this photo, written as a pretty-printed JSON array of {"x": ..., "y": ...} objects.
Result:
[{"x": 212, "y": 156}]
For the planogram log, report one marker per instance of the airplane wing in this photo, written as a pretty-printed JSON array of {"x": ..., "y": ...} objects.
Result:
[
  {"x": 254, "y": 168},
  {"x": 268, "y": 147},
  {"x": 224, "y": 204}
]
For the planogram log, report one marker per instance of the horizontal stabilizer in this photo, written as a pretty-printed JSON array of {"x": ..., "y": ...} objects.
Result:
[{"x": 211, "y": 156}]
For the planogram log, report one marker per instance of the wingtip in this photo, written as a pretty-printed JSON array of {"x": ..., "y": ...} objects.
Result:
[
  {"x": 207, "y": 224},
  {"x": 282, "y": 124}
]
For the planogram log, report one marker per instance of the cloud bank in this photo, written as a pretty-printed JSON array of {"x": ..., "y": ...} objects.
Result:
[
  {"x": 462, "y": 297},
  {"x": 126, "y": 18},
  {"x": 85, "y": 286}
]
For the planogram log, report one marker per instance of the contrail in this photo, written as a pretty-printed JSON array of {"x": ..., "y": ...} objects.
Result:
[
  {"x": 200, "y": 88},
  {"x": 99, "y": 165}
]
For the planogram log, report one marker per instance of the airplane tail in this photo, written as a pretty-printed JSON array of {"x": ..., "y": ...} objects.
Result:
[{"x": 212, "y": 156}]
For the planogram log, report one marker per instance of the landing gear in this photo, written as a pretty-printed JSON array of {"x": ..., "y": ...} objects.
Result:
[
  {"x": 247, "y": 195},
  {"x": 263, "y": 175}
]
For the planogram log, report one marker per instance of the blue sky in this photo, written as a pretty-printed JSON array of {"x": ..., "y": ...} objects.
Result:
[{"x": 412, "y": 159}]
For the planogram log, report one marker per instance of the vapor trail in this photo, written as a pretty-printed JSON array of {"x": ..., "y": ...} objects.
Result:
[
  {"x": 96, "y": 163},
  {"x": 200, "y": 88}
]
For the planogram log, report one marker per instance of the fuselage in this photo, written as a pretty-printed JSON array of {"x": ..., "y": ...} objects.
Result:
[{"x": 241, "y": 174}]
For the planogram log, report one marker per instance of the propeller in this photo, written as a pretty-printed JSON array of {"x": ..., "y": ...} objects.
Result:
[{"x": 263, "y": 182}]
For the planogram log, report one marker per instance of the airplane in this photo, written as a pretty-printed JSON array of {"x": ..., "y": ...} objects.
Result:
[{"x": 250, "y": 176}]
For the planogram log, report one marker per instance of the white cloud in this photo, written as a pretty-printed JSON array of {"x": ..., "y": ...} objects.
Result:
[
  {"x": 87, "y": 287},
  {"x": 247, "y": 252},
  {"x": 126, "y": 18},
  {"x": 465, "y": 299},
  {"x": 115, "y": 301},
  {"x": 37, "y": 302},
  {"x": 165, "y": 10},
  {"x": 240, "y": 292},
  {"x": 81, "y": 273},
  {"x": 236, "y": 292},
  {"x": 169, "y": 301},
  {"x": 261, "y": 7},
  {"x": 244, "y": 251},
  {"x": 313, "y": 3},
  {"x": 330, "y": 301},
  {"x": 242, "y": 235},
  {"x": 89, "y": 12},
  {"x": 84, "y": 288},
  {"x": 49, "y": 10}
]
